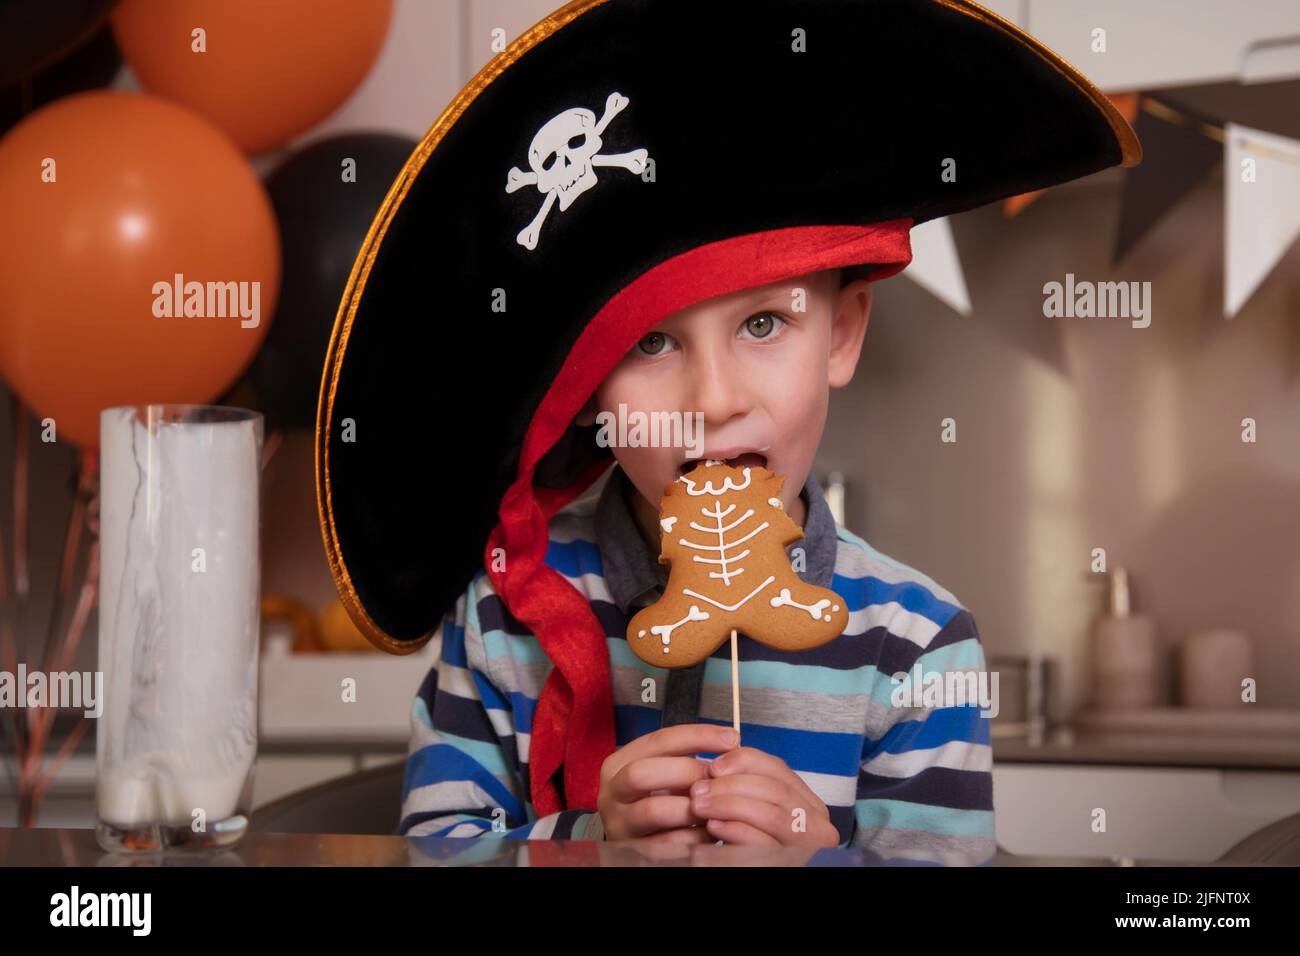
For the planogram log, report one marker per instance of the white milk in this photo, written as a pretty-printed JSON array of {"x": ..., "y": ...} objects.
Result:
[{"x": 177, "y": 645}]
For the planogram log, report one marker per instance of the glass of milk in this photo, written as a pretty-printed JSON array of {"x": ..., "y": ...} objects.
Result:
[{"x": 179, "y": 614}]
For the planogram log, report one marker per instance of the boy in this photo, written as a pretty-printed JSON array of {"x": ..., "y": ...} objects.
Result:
[
  {"x": 683, "y": 260},
  {"x": 759, "y": 373}
]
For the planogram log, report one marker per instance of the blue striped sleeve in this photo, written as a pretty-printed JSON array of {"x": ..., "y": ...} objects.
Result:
[
  {"x": 926, "y": 782},
  {"x": 462, "y": 767}
]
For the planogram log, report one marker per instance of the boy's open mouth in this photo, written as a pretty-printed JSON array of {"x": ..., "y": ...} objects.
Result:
[{"x": 747, "y": 459}]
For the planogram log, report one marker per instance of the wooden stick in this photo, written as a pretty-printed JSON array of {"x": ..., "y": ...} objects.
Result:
[{"x": 735, "y": 686}]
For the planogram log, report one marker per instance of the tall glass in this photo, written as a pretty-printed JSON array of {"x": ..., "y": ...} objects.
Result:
[{"x": 180, "y": 589}]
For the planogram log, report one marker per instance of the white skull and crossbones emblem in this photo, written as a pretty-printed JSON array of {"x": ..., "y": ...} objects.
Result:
[{"x": 562, "y": 155}]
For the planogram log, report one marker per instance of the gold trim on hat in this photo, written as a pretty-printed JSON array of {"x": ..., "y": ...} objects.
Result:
[{"x": 1130, "y": 148}]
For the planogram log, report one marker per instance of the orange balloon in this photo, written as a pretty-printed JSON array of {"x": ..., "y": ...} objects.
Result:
[
  {"x": 269, "y": 70},
  {"x": 140, "y": 191}
]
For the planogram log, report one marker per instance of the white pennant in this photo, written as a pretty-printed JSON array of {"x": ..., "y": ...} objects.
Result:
[
  {"x": 1262, "y": 217},
  {"x": 935, "y": 265}
]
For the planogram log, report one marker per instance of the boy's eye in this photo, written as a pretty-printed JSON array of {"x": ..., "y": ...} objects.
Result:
[
  {"x": 655, "y": 343},
  {"x": 760, "y": 325}
]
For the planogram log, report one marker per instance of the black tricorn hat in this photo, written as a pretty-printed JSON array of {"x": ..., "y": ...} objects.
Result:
[{"x": 621, "y": 160}]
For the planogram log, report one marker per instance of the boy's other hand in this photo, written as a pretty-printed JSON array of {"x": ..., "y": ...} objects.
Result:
[
  {"x": 753, "y": 798},
  {"x": 645, "y": 785}
]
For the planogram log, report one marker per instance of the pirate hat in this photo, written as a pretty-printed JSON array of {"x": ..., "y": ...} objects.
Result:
[{"x": 619, "y": 161}]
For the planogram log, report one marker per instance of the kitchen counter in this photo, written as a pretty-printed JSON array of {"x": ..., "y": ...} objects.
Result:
[{"x": 1067, "y": 746}]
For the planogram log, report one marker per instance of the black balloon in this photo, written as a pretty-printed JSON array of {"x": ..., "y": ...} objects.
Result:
[
  {"x": 89, "y": 66},
  {"x": 34, "y": 34},
  {"x": 323, "y": 220}
]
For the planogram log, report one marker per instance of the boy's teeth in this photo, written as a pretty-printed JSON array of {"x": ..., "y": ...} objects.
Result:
[{"x": 749, "y": 459}]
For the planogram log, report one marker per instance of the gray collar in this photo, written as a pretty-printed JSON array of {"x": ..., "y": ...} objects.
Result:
[{"x": 633, "y": 572}]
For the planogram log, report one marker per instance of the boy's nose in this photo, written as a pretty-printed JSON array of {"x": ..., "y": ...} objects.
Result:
[{"x": 719, "y": 389}]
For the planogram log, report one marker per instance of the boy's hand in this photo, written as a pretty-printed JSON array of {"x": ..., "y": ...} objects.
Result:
[
  {"x": 753, "y": 798},
  {"x": 644, "y": 785}
]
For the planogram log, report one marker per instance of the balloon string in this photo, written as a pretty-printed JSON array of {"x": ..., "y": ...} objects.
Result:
[
  {"x": 34, "y": 776},
  {"x": 4, "y": 582},
  {"x": 9, "y": 658},
  {"x": 22, "y": 585},
  {"x": 4, "y": 573},
  {"x": 9, "y": 650},
  {"x": 22, "y": 582},
  {"x": 38, "y": 791},
  {"x": 68, "y": 563},
  {"x": 273, "y": 442},
  {"x": 86, "y": 602}
]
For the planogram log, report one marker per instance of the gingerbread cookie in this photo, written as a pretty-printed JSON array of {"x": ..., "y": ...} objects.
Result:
[{"x": 723, "y": 534}]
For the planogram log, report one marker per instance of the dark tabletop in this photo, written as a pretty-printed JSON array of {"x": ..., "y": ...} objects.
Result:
[{"x": 77, "y": 847}]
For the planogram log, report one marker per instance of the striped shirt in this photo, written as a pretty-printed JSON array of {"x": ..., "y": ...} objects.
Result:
[{"x": 908, "y": 779}]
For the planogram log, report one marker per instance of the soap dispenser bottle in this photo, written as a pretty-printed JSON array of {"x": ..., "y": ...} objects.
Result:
[{"x": 1125, "y": 655}]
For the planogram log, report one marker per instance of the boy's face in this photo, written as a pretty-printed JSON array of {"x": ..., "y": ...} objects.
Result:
[{"x": 756, "y": 364}]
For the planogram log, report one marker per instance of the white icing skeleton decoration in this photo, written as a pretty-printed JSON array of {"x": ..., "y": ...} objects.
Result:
[
  {"x": 724, "y": 535},
  {"x": 562, "y": 156}
]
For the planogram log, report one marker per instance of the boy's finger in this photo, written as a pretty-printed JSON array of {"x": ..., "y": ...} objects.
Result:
[
  {"x": 642, "y": 777},
  {"x": 752, "y": 786},
  {"x": 652, "y": 814},
  {"x": 749, "y": 760},
  {"x": 759, "y": 814}
]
